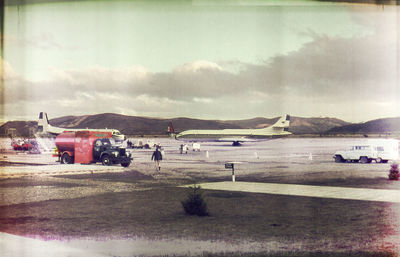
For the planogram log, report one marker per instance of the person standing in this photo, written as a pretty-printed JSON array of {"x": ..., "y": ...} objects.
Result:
[{"x": 157, "y": 157}]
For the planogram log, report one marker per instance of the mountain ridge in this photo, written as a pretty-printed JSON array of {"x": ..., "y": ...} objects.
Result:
[{"x": 140, "y": 125}]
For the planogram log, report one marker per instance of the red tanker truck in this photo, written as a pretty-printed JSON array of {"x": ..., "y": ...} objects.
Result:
[{"x": 90, "y": 147}]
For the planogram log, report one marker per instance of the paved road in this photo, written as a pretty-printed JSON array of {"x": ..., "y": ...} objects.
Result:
[
  {"x": 12, "y": 245},
  {"x": 364, "y": 194}
]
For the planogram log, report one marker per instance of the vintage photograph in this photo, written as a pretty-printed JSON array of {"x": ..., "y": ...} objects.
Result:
[{"x": 200, "y": 128}]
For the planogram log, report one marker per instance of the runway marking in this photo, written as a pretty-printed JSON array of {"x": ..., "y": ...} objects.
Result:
[{"x": 363, "y": 194}]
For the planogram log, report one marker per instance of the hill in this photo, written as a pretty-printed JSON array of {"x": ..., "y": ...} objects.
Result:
[
  {"x": 387, "y": 125},
  {"x": 23, "y": 128},
  {"x": 135, "y": 125},
  {"x": 300, "y": 125}
]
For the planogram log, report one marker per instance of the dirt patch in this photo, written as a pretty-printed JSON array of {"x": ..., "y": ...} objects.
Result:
[
  {"x": 226, "y": 195},
  {"x": 7, "y": 163},
  {"x": 131, "y": 176},
  {"x": 13, "y": 183}
]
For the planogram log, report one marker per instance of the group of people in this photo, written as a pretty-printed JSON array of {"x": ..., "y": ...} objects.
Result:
[{"x": 183, "y": 148}]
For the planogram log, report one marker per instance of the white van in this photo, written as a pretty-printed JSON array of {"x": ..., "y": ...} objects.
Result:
[{"x": 378, "y": 150}]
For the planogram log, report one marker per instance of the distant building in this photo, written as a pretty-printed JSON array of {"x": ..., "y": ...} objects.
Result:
[
  {"x": 32, "y": 132},
  {"x": 11, "y": 132}
]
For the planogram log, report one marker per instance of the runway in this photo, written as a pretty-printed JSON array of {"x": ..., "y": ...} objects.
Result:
[{"x": 363, "y": 194}]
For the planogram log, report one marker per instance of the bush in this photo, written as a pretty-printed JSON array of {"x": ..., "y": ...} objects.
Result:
[
  {"x": 195, "y": 204},
  {"x": 394, "y": 172}
]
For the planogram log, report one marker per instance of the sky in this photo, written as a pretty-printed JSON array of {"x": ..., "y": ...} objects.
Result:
[{"x": 201, "y": 59}]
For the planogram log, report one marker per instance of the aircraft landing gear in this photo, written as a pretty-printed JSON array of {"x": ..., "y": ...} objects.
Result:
[{"x": 236, "y": 143}]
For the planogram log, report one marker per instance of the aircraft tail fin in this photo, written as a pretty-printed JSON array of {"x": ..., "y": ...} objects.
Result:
[
  {"x": 282, "y": 124},
  {"x": 43, "y": 122},
  {"x": 170, "y": 130}
]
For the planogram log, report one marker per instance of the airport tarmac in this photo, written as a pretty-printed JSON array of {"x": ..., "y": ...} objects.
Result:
[
  {"x": 282, "y": 164},
  {"x": 265, "y": 161}
]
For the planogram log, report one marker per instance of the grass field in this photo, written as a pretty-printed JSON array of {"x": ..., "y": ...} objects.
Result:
[{"x": 300, "y": 226}]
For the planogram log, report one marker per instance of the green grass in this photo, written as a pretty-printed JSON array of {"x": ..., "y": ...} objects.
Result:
[{"x": 157, "y": 214}]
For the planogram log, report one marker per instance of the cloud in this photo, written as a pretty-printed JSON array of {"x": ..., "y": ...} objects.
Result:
[
  {"x": 43, "y": 41},
  {"x": 198, "y": 66},
  {"x": 324, "y": 77},
  {"x": 6, "y": 71},
  {"x": 336, "y": 67}
]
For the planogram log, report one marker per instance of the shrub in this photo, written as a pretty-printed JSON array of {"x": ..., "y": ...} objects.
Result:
[
  {"x": 195, "y": 204},
  {"x": 394, "y": 172}
]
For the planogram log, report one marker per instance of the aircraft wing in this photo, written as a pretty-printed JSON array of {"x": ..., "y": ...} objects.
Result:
[{"x": 236, "y": 139}]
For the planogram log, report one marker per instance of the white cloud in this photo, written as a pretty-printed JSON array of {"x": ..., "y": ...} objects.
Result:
[
  {"x": 198, "y": 66},
  {"x": 330, "y": 76},
  {"x": 6, "y": 71},
  {"x": 202, "y": 100}
]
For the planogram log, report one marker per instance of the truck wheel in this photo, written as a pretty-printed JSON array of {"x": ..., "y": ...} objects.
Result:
[
  {"x": 378, "y": 160},
  {"x": 66, "y": 159},
  {"x": 105, "y": 160},
  {"x": 339, "y": 158},
  {"x": 125, "y": 164},
  {"x": 364, "y": 159}
]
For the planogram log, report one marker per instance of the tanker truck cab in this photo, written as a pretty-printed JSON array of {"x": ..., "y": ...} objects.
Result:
[
  {"x": 105, "y": 151},
  {"x": 90, "y": 147},
  {"x": 117, "y": 135}
]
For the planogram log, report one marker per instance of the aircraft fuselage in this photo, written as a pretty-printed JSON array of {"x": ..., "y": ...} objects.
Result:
[{"x": 277, "y": 130}]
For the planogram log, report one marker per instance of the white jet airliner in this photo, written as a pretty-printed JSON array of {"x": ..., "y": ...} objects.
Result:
[
  {"x": 45, "y": 127},
  {"x": 236, "y": 136}
]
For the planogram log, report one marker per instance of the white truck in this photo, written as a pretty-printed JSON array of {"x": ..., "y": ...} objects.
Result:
[{"x": 378, "y": 150}]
